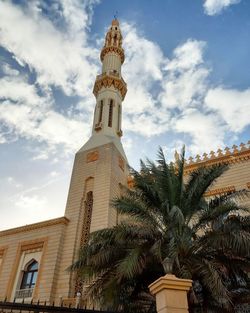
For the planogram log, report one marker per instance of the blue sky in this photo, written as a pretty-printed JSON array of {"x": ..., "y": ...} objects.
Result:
[{"x": 187, "y": 69}]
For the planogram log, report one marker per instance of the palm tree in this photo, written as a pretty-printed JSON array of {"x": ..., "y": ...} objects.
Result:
[{"x": 165, "y": 218}]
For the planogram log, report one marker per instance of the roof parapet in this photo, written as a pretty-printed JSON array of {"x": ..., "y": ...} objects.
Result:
[{"x": 226, "y": 156}]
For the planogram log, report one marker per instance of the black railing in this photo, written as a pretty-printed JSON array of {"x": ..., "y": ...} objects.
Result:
[{"x": 37, "y": 307}]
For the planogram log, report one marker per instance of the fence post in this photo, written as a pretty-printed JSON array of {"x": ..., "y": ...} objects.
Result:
[{"x": 171, "y": 294}]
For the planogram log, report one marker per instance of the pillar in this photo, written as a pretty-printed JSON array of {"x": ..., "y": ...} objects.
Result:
[{"x": 171, "y": 294}]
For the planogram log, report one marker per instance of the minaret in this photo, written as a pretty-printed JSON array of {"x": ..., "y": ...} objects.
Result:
[
  {"x": 109, "y": 90},
  {"x": 100, "y": 167}
]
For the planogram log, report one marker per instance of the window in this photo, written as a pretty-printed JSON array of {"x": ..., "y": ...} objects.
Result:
[
  {"x": 30, "y": 276},
  {"x": 110, "y": 113},
  {"x": 100, "y": 112},
  {"x": 119, "y": 118}
]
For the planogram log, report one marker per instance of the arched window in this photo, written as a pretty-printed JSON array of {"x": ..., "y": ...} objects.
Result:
[
  {"x": 30, "y": 276},
  {"x": 110, "y": 113}
]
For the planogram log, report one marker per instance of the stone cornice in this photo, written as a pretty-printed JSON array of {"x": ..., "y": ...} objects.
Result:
[
  {"x": 231, "y": 156},
  {"x": 170, "y": 282},
  {"x": 48, "y": 223},
  {"x": 106, "y": 80},
  {"x": 119, "y": 51},
  {"x": 219, "y": 191}
]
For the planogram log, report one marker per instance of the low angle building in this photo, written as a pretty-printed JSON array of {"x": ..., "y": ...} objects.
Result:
[{"x": 34, "y": 259}]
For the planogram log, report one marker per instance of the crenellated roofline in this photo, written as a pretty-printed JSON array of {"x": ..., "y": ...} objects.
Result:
[{"x": 227, "y": 156}]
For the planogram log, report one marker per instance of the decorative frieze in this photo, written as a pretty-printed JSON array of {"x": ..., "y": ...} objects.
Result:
[
  {"x": 105, "y": 80},
  {"x": 92, "y": 156},
  {"x": 130, "y": 182},
  {"x": 117, "y": 50}
]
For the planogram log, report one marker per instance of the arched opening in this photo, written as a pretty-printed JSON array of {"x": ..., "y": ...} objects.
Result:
[{"x": 29, "y": 275}]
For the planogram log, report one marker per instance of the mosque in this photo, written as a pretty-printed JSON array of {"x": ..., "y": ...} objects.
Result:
[{"x": 34, "y": 258}]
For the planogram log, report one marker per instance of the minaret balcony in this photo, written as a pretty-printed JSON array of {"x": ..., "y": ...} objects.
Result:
[
  {"x": 107, "y": 80},
  {"x": 119, "y": 51}
]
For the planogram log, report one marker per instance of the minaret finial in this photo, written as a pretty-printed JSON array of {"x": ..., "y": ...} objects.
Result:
[{"x": 115, "y": 15}]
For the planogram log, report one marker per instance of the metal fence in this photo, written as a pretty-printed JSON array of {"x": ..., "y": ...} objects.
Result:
[{"x": 37, "y": 307}]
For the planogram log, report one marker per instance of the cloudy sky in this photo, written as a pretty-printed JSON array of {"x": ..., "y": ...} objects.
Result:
[{"x": 187, "y": 69}]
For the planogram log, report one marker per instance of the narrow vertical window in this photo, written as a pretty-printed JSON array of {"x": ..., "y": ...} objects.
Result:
[
  {"x": 119, "y": 118},
  {"x": 110, "y": 113},
  {"x": 100, "y": 112}
]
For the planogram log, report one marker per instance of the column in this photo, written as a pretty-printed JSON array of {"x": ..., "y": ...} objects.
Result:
[{"x": 171, "y": 294}]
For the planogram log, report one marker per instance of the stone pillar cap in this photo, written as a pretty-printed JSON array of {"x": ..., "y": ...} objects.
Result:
[{"x": 170, "y": 282}]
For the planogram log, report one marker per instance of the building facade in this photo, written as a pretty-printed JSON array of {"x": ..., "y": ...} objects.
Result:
[{"x": 34, "y": 258}]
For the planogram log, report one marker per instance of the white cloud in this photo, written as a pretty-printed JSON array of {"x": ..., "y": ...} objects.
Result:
[
  {"x": 8, "y": 70},
  {"x": 233, "y": 106},
  {"x": 142, "y": 70},
  {"x": 29, "y": 115},
  {"x": 185, "y": 79},
  {"x": 206, "y": 131},
  {"x": 213, "y": 7},
  {"x": 33, "y": 202},
  {"x": 12, "y": 181},
  {"x": 54, "y": 174},
  {"x": 50, "y": 127},
  {"x": 172, "y": 148},
  {"x": 16, "y": 89},
  {"x": 58, "y": 58},
  {"x": 186, "y": 56}
]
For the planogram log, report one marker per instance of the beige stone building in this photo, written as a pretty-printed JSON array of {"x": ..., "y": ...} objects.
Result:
[{"x": 34, "y": 258}]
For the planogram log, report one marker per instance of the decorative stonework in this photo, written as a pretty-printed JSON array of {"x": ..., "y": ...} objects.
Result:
[
  {"x": 88, "y": 207},
  {"x": 234, "y": 155},
  {"x": 105, "y": 81},
  {"x": 116, "y": 50},
  {"x": 130, "y": 182},
  {"x": 219, "y": 191},
  {"x": 92, "y": 156},
  {"x": 121, "y": 163}
]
